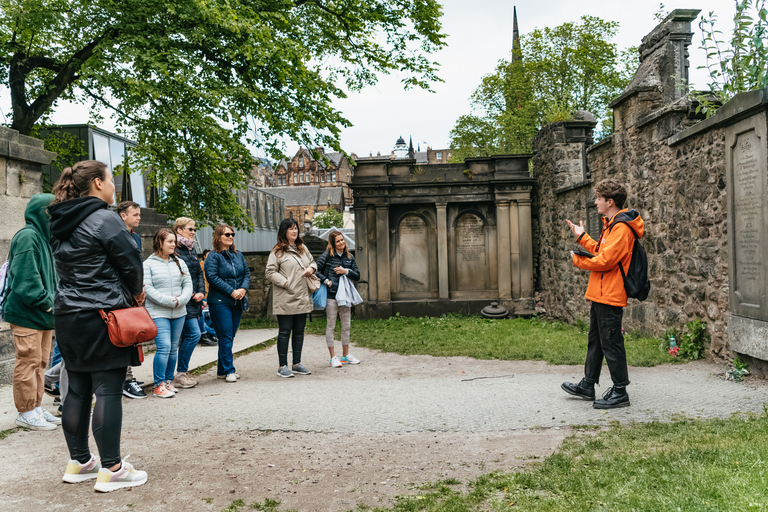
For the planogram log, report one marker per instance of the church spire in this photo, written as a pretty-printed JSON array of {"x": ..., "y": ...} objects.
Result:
[
  {"x": 411, "y": 155},
  {"x": 516, "y": 55}
]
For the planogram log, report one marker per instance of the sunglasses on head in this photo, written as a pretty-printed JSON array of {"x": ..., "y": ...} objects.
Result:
[{"x": 229, "y": 235}]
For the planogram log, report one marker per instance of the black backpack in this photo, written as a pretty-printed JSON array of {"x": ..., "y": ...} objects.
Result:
[{"x": 636, "y": 281}]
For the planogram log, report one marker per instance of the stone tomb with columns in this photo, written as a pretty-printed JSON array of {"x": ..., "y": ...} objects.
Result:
[{"x": 441, "y": 238}]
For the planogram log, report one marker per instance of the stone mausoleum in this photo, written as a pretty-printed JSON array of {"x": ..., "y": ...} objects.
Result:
[{"x": 445, "y": 237}]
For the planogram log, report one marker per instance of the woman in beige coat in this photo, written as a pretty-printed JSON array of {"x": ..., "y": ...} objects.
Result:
[{"x": 288, "y": 267}]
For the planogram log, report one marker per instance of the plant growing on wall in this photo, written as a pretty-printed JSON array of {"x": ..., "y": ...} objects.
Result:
[
  {"x": 692, "y": 342},
  {"x": 738, "y": 64}
]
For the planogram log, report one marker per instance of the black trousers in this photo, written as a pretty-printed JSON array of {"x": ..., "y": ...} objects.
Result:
[
  {"x": 107, "y": 419},
  {"x": 605, "y": 340},
  {"x": 287, "y": 324}
]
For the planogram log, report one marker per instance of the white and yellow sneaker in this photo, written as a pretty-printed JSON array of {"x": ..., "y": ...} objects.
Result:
[
  {"x": 77, "y": 472},
  {"x": 126, "y": 476}
]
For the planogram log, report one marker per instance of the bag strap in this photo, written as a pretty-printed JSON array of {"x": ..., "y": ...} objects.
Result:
[{"x": 104, "y": 316}]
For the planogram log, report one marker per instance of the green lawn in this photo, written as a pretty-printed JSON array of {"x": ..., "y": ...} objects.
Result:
[
  {"x": 451, "y": 335},
  {"x": 713, "y": 465}
]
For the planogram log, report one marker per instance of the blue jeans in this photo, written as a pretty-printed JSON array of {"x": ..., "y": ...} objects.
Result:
[
  {"x": 190, "y": 335},
  {"x": 167, "y": 341},
  {"x": 226, "y": 320},
  {"x": 205, "y": 324}
]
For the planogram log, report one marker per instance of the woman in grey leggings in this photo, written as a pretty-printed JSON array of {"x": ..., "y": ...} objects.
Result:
[{"x": 335, "y": 262}]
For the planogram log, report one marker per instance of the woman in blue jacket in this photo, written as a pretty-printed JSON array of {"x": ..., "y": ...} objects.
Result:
[
  {"x": 228, "y": 282},
  {"x": 331, "y": 265}
]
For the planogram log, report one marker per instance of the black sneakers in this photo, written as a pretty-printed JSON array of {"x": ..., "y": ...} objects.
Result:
[
  {"x": 51, "y": 390},
  {"x": 207, "y": 340},
  {"x": 613, "y": 398},
  {"x": 131, "y": 389},
  {"x": 583, "y": 389}
]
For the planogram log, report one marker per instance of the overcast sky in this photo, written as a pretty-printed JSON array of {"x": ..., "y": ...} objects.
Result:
[{"x": 480, "y": 34}]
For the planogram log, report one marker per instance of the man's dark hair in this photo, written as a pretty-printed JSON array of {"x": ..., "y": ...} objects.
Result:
[
  {"x": 123, "y": 207},
  {"x": 612, "y": 189}
]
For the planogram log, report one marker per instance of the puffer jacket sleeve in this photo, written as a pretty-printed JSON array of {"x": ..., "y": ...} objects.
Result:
[
  {"x": 186, "y": 285},
  {"x": 152, "y": 283},
  {"x": 212, "y": 266},
  {"x": 321, "y": 266},
  {"x": 616, "y": 245},
  {"x": 354, "y": 272},
  {"x": 272, "y": 272},
  {"x": 121, "y": 252},
  {"x": 245, "y": 282}
]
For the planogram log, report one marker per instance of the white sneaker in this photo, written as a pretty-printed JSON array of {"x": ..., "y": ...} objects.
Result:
[
  {"x": 77, "y": 472},
  {"x": 232, "y": 377},
  {"x": 335, "y": 363},
  {"x": 36, "y": 422},
  {"x": 50, "y": 418},
  {"x": 126, "y": 476},
  {"x": 349, "y": 358}
]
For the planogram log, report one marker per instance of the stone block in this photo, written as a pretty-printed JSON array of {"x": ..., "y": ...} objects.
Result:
[{"x": 748, "y": 336}]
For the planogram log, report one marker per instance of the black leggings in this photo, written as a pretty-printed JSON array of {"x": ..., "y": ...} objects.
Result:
[
  {"x": 286, "y": 324},
  {"x": 107, "y": 414}
]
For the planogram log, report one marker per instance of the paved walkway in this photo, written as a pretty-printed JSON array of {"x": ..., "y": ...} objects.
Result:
[{"x": 393, "y": 393}]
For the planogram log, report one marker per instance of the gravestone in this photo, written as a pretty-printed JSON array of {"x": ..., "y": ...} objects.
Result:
[
  {"x": 414, "y": 256},
  {"x": 471, "y": 255}
]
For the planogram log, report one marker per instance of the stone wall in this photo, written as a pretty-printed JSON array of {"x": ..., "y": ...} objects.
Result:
[{"x": 675, "y": 176}]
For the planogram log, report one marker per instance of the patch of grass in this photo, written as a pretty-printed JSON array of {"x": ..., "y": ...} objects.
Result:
[
  {"x": 235, "y": 506},
  {"x": 481, "y": 338},
  {"x": 207, "y": 500},
  {"x": 255, "y": 348},
  {"x": 268, "y": 505},
  {"x": 258, "y": 323},
  {"x": 6, "y": 433},
  {"x": 687, "y": 465}
]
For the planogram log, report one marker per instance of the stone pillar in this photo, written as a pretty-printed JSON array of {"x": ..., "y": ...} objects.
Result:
[
  {"x": 442, "y": 250},
  {"x": 505, "y": 280},
  {"x": 382, "y": 253},
  {"x": 526, "y": 248},
  {"x": 370, "y": 221},
  {"x": 514, "y": 243},
  {"x": 361, "y": 255}
]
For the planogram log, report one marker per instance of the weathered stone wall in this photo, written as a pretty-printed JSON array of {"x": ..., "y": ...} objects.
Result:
[
  {"x": 675, "y": 176},
  {"x": 259, "y": 294}
]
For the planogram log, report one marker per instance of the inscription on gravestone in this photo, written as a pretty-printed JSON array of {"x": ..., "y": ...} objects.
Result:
[
  {"x": 414, "y": 256},
  {"x": 747, "y": 219},
  {"x": 471, "y": 263}
]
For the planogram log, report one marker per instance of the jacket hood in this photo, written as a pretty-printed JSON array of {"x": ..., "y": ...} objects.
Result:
[
  {"x": 36, "y": 214},
  {"x": 632, "y": 218},
  {"x": 68, "y": 215}
]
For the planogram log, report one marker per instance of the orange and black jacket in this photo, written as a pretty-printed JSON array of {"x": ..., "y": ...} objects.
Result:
[{"x": 606, "y": 285}]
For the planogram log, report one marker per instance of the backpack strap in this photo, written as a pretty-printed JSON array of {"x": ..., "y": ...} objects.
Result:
[{"x": 626, "y": 223}]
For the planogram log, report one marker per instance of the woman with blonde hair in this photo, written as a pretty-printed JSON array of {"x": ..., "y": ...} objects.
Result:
[
  {"x": 99, "y": 268},
  {"x": 288, "y": 266},
  {"x": 184, "y": 228},
  {"x": 168, "y": 288},
  {"x": 228, "y": 282},
  {"x": 335, "y": 262}
]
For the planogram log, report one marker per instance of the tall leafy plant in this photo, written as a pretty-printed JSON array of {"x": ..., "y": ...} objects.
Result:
[{"x": 739, "y": 64}]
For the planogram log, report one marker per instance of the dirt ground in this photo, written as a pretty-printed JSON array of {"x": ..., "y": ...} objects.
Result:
[{"x": 305, "y": 471}]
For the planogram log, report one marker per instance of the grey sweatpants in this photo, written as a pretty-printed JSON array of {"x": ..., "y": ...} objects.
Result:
[{"x": 332, "y": 310}]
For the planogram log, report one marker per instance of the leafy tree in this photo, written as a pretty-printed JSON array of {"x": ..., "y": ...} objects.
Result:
[
  {"x": 738, "y": 65},
  {"x": 574, "y": 66},
  {"x": 196, "y": 81},
  {"x": 328, "y": 219}
]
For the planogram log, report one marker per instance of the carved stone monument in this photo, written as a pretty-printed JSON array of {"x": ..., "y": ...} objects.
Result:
[{"x": 442, "y": 238}]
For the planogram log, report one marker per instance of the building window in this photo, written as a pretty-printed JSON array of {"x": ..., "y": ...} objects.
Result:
[
  {"x": 301, "y": 177},
  {"x": 301, "y": 161},
  {"x": 333, "y": 175},
  {"x": 439, "y": 155},
  {"x": 449, "y": 154}
]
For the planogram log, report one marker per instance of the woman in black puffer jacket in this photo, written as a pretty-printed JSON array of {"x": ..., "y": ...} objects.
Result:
[
  {"x": 99, "y": 268},
  {"x": 184, "y": 228},
  {"x": 335, "y": 262}
]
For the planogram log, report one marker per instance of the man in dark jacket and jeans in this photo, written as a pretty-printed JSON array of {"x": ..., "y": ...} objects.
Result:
[
  {"x": 29, "y": 309},
  {"x": 130, "y": 212}
]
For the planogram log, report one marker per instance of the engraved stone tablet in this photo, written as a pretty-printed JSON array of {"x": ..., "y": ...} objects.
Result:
[
  {"x": 471, "y": 260},
  {"x": 414, "y": 257},
  {"x": 748, "y": 196}
]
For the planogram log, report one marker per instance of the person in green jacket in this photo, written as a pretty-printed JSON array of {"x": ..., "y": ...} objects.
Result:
[{"x": 28, "y": 307}]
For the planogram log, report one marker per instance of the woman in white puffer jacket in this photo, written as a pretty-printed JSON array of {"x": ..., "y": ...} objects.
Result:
[{"x": 168, "y": 288}]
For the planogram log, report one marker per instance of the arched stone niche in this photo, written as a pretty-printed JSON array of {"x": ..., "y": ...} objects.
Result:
[
  {"x": 472, "y": 256},
  {"x": 415, "y": 263}
]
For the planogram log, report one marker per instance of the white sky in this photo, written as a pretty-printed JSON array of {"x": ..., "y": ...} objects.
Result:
[{"x": 480, "y": 34}]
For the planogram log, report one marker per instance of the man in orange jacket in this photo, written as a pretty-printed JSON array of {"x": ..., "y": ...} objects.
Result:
[{"x": 606, "y": 291}]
